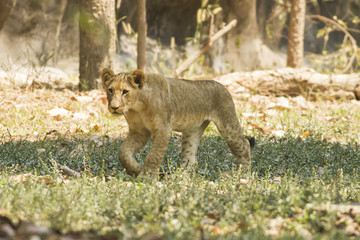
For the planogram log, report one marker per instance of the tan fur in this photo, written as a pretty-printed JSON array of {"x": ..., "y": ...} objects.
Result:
[{"x": 154, "y": 106}]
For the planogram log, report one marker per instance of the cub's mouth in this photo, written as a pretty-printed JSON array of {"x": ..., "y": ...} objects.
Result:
[
  {"x": 116, "y": 111},
  {"x": 117, "y": 114}
]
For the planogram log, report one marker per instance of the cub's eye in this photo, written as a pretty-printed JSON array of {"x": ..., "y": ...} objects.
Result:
[
  {"x": 110, "y": 90},
  {"x": 124, "y": 92}
]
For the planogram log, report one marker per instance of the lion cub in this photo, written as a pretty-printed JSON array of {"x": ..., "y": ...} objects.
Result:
[{"x": 154, "y": 106}]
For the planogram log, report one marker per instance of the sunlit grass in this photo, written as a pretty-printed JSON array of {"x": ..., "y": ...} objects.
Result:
[{"x": 181, "y": 205}]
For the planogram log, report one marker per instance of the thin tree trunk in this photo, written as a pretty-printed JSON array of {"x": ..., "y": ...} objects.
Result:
[
  {"x": 295, "y": 49},
  {"x": 49, "y": 30},
  {"x": 97, "y": 40},
  {"x": 244, "y": 40},
  {"x": 6, "y": 6},
  {"x": 61, "y": 8},
  {"x": 243, "y": 47},
  {"x": 141, "y": 29}
]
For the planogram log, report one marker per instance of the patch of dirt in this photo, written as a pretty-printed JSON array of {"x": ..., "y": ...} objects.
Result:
[
  {"x": 47, "y": 113},
  {"x": 37, "y": 113}
]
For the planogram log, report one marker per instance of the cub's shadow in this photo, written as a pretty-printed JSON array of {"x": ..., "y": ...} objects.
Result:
[{"x": 99, "y": 155}]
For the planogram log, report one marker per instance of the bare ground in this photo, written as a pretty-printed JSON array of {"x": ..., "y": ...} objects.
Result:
[{"x": 33, "y": 114}]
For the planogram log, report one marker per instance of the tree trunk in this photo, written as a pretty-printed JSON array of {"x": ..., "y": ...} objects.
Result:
[
  {"x": 35, "y": 25},
  {"x": 6, "y": 6},
  {"x": 295, "y": 82},
  {"x": 141, "y": 30},
  {"x": 295, "y": 49},
  {"x": 243, "y": 48},
  {"x": 61, "y": 10},
  {"x": 97, "y": 40},
  {"x": 241, "y": 41}
]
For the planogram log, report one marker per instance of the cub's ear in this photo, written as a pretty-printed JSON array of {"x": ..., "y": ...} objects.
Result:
[
  {"x": 137, "y": 79},
  {"x": 106, "y": 75}
]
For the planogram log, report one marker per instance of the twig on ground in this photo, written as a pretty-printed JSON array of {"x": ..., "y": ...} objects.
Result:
[{"x": 67, "y": 171}]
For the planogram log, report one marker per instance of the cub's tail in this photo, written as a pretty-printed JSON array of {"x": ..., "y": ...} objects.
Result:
[{"x": 251, "y": 141}]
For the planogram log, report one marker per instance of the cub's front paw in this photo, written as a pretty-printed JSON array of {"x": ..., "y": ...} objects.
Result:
[{"x": 148, "y": 173}]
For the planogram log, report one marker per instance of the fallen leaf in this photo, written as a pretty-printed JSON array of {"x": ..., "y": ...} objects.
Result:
[
  {"x": 321, "y": 170},
  {"x": 280, "y": 104},
  {"x": 301, "y": 102},
  {"x": 73, "y": 128},
  {"x": 215, "y": 229},
  {"x": 271, "y": 112},
  {"x": 58, "y": 112},
  {"x": 275, "y": 225},
  {"x": 253, "y": 115},
  {"x": 257, "y": 127},
  {"x": 306, "y": 134},
  {"x": 81, "y": 116},
  {"x": 241, "y": 224},
  {"x": 24, "y": 177},
  {"x": 20, "y": 106},
  {"x": 21, "y": 177},
  {"x": 98, "y": 143},
  {"x": 271, "y": 232},
  {"x": 51, "y": 132},
  {"x": 330, "y": 119},
  {"x": 226, "y": 174},
  {"x": 40, "y": 150},
  {"x": 84, "y": 99},
  {"x": 175, "y": 196},
  {"x": 93, "y": 110},
  {"x": 240, "y": 89},
  {"x": 57, "y": 118},
  {"x": 104, "y": 100},
  {"x": 351, "y": 230},
  {"x": 277, "y": 180},
  {"x": 243, "y": 181},
  {"x": 127, "y": 184},
  {"x": 2, "y": 210},
  {"x": 279, "y": 133},
  {"x": 45, "y": 180},
  {"x": 212, "y": 216},
  {"x": 96, "y": 128}
]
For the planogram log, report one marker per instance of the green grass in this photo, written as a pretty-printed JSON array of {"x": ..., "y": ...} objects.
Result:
[
  {"x": 297, "y": 179},
  {"x": 183, "y": 204},
  {"x": 271, "y": 156}
]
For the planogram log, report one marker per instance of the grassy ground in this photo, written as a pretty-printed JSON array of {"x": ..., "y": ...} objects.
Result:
[{"x": 304, "y": 181}]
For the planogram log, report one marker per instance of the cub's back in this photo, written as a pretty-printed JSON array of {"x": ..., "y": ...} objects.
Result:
[{"x": 188, "y": 95}]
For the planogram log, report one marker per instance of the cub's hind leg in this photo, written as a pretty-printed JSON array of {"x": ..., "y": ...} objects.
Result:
[
  {"x": 133, "y": 143},
  {"x": 190, "y": 143},
  {"x": 230, "y": 129}
]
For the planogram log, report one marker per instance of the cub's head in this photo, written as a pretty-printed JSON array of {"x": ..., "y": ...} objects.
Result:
[{"x": 122, "y": 90}]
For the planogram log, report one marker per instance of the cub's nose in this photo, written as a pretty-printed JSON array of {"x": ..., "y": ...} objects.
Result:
[{"x": 114, "y": 108}]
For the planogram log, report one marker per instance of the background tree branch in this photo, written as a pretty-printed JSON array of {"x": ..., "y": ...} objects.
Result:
[{"x": 190, "y": 60}]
